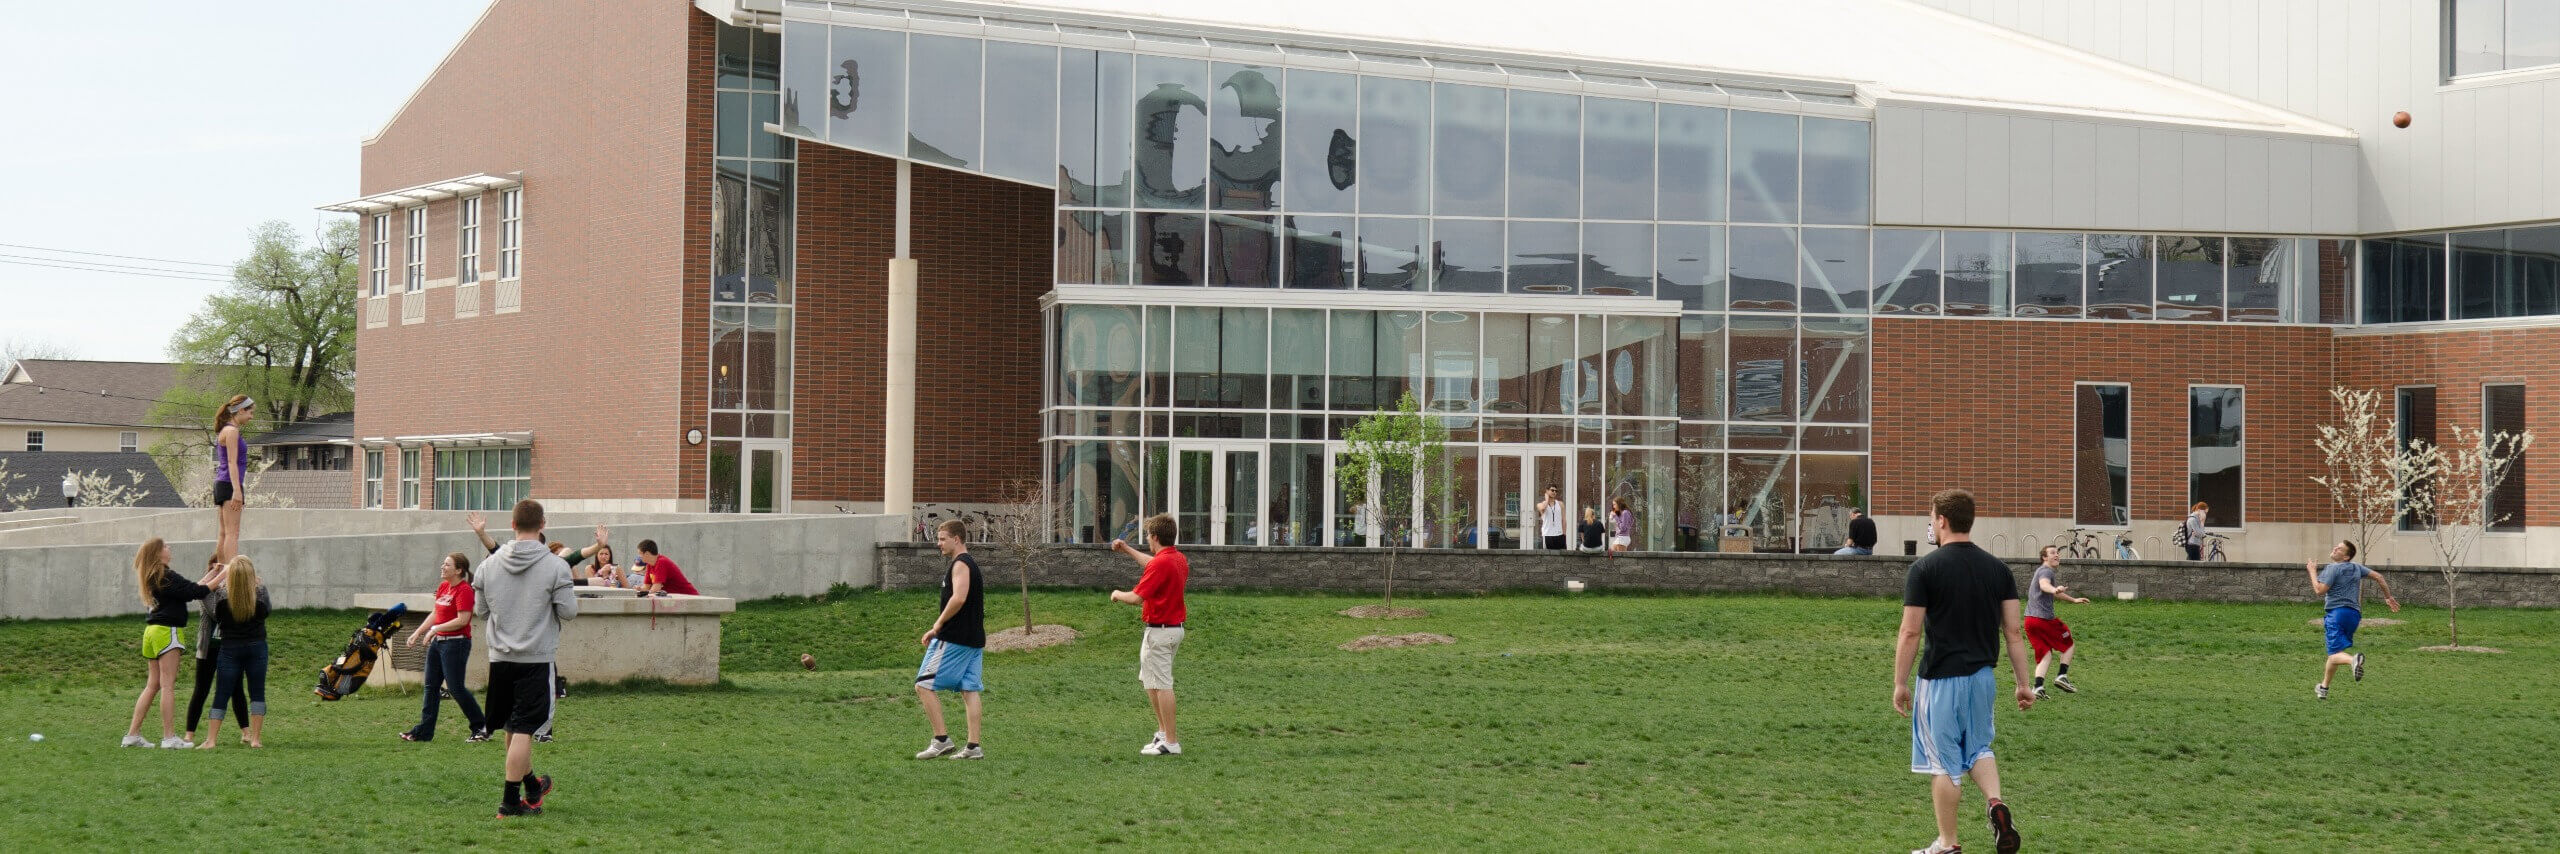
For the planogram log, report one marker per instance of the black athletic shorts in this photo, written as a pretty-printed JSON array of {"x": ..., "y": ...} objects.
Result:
[
  {"x": 221, "y": 492},
  {"x": 520, "y": 696}
]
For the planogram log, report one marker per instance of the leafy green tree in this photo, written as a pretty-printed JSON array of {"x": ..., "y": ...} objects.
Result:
[
  {"x": 1395, "y": 464},
  {"x": 283, "y": 332}
]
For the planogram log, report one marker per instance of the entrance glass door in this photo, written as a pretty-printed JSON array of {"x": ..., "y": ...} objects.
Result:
[
  {"x": 1514, "y": 481},
  {"x": 765, "y": 479},
  {"x": 1217, "y": 494}
]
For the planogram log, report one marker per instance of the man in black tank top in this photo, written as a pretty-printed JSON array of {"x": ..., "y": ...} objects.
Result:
[{"x": 955, "y": 646}]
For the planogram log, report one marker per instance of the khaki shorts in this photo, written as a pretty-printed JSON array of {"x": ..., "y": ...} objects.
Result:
[{"x": 1155, "y": 658}]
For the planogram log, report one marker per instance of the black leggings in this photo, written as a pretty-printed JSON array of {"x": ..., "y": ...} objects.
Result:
[{"x": 204, "y": 686}]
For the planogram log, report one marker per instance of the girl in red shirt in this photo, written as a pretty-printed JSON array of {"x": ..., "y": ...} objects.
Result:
[{"x": 449, "y": 654}]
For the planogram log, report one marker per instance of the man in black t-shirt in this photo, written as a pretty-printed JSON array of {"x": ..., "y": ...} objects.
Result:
[
  {"x": 1963, "y": 599},
  {"x": 955, "y": 646}
]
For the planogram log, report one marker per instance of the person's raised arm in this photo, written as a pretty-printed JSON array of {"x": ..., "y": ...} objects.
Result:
[
  {"x": 480, "y": 528},
  {"x": 1134, "y": 553},
  {"x": 959, "y": 597},
  {"x": 2020, "y": 664},
  {"x": 2386, "y": 589},
  {"x": 2317, "y": 588},
  {"x": 1906, "y": 647}
]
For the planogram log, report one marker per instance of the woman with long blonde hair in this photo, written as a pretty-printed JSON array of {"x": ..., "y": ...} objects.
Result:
[
  {"x": 166, "y": 594},
  {"x": 231, "y": 472},
  {"x": 240, "y": 614}
]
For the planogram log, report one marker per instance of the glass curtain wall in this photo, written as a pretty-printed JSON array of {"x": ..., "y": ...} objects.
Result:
[{"x": 751, "y": 265}]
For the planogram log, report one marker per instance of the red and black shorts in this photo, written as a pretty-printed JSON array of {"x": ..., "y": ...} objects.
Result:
[{"x": 2047, "y": 636}]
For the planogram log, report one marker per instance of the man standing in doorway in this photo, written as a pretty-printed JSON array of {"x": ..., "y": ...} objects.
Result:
[
  {"x": 1159, "y": 600},
  {"x": 1551, "y": 520},
  {"x": 2341, "y": 586},
  {"x": 1963, "y": 600},
  {"x": 955, "y": 646},
  {"x": 523, "y": 594}
]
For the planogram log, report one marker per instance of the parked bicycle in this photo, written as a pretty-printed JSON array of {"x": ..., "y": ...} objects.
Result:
[
  {"x": 2079, "y": 543},
  {"x": 2213, "y": 546},
  {"x": 2124, "y": 546}
]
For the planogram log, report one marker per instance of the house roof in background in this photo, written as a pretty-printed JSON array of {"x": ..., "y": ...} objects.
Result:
[
  {"x": 68, "y": 392},
  {"x": 42, "y": 471},
  {"x": 337, "y": 428}
]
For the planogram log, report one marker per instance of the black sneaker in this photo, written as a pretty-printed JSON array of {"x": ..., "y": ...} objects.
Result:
[
  {"x": 477, "y": 736},
  {"x": 2003, "y": 832},
  {"x": 535, "y": 789},
  {"x": 511, "y": 811}
]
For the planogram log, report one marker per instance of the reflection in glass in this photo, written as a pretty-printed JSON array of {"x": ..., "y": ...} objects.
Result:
[
  {"x": 1617, "y": 259},
  {"x": 2048, "y": 275},
  {"x": 1244, "y": 251},
  {"x": 1828, "y": 485},
  {"x": 736, "y": 47},
  {"x": 1322, "y": 141},
  {"x": 1546, "y": 154},
  {"x": 729, "y": 231},
  {"x": 1764, "y": 167},
  {"x": 1834, "y": 359},
  {"x": 1296, "y": 496},
  {"x": 1764, "y": 269},
  {"x": 735, "y": 123},
  {"x": 2404, "y": 278},
  {"x": 2215, "y": 453},
  {"x": 2190, "y": 277},
  {"x": 1906, "y": 271},
  {"x": 1590, "y": 358},
  {"x": 2479, "y": 41},
  {"x": 1219, "y": 357},
  {"x": 1467, "y": 149},
  {"x": 724, "y": 477},
  {"x": 1297, "y": 358},
  {"x": 1093, "y": 248},
  {"x": 1391, "y": 254},
  {"x": 2538, "y": 250},
  {"x": 1097, "y": 486},
  {"x": 1172, "y": 132},
  {"x": 1466, "y": 255},
  {"x": 2102, "y": 455},
  {"x": 1761, "y": 489},
  {"x": 2120, "y": 276},
  {"x": 1506, "y": 363},
  {"x": 1835, "y": 171},
  {"x": 1169, "y": 248},
  {"x": 1692, "y": 180},
  {"x": 1835, "y": 270},
  {"x": 2264, "y": 272},
  {"x": 1700, "y": 519},
  {"x": 1640, "y": 368},
  {"x": 1764, "y": 368},
  {"x": 728, "y": 357},
  {"x": 1158, "y": 357},
  {"x": 1701, "y": 370},
  {"x": 1394, "y": 154},
  {"x": 1617, "y": 170},
  {"x": 867, "y": 90},
  {"x": 1022, "y": 104},
  {"x": 804, "y": 54},
  {"x": 1098, "y": 349},
  {"x": 769, "y": 233},
  {"x": 1690, "y": 266},
  {"x": 1244, "y": 138},
  {"x": 768, "y": 358},
  {"x": 1451, "y": 337},
  {"x": 1544, "y": 257},
  {"x": 1977, "y": 274},
  {"x": 1322, "y": 251},
  {"x": 2484, "y": 284},
  {"x": 1095, "y": 116},
  {"x": 1353, "y": 352}
]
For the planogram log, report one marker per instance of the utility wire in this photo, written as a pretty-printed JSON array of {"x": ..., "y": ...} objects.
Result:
[
  {"x": 111, "y": 255},
  {"x": 178, "y": 276},
  {"x": 107, "y": 265}
]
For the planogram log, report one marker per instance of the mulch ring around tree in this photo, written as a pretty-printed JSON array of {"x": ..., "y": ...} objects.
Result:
[
  {"x": 1392, "y": 641},
  {"x": 1382, "y": 612},
  {"x": 2443, "y": 648},
  {"x": 1042, "y": 635},
  {"x": 2377, "y": 621}
]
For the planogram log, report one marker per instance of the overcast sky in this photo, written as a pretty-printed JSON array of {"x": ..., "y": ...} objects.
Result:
[{"x": 167, "y": 131}]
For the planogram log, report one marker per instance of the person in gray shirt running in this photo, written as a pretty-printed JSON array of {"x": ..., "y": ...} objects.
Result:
[
  {"x": 2341, "y": 588},
  {"x": 2049, "y": 636}
]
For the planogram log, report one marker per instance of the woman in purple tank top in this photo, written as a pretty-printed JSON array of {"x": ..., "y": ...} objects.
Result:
[{"x": 230, "y": 473}]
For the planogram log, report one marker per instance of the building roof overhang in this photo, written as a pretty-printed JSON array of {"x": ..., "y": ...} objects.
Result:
[
  {"x": 477, "y": 182},
  {"x": 451, "y": 440}
]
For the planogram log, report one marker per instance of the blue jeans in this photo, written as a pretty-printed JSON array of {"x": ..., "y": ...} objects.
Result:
[
  {"x": 238, "y": 661},
  {"x": 448, "y": 660},
  {"x": 1854, "y": 550}
]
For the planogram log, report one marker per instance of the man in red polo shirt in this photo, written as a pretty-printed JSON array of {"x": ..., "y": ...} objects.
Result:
[
  {"x": 1159, "y": 600},
  {"x": 661, "y": 574}
]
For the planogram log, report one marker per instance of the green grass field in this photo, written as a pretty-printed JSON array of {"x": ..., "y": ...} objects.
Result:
[{"x": 1586, "y": 723}]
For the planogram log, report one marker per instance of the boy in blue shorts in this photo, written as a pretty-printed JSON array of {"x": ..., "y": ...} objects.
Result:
[
  {"x": 2341, "y": 584},
  {"x": 955, "y": 646},
  {"x": 1962, "y": 599}
]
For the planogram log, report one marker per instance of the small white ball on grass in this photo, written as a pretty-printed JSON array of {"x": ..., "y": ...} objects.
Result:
[
  {"x": 1573, "y": 585},
  {"x": 35, "y": 736}
]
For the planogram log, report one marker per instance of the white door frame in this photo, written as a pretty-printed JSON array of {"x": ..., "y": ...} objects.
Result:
[
  {"x": 747, "y": 449},
  {"x": 1219, "y": 479},
  {"x": 1489, "y": 492}
]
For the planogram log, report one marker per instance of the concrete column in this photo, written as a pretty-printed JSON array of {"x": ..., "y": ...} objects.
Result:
[{"x": 898, "y": 458}]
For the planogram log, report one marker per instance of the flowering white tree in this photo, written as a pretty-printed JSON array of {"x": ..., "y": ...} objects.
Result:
[
  {"x": 14, "y": 500},
  {"x": 2364, "y": 477},
  {"x": 98, "y": 489},
  {"x": 2454, "y": 499}
]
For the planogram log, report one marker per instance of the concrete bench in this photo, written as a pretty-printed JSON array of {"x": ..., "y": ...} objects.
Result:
[{"x": 616, "y": 636}]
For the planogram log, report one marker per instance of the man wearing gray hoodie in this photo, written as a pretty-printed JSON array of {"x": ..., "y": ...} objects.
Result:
[{"x": 522, "y": 594}]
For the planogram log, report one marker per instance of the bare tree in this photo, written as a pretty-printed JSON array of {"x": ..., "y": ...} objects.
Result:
[
  {"x": 2454, "y": 499},
  {"x": 2363, "y": 454},
  {"x": 1021, "y": 534}
]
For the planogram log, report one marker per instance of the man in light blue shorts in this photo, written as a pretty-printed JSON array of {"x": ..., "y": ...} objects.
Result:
[
  {"x": 955, "y": 646},
  {"x": 2341, "y": 586},
  {"x": 1962, "y": 599}
]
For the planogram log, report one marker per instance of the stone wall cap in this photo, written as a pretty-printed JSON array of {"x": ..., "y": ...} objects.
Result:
[{"x": 608, "y": 603}]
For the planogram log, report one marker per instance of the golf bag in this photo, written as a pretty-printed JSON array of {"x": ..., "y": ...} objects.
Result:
[{"x": 348, "y": 672}]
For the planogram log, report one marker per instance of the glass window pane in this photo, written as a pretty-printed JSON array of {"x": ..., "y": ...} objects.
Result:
[
  {"x": 1762, "y": 492},
  {"x": 724, "y": 477},
  {"x": 2537, "y": 251},
  {"x": 1467, "y": 152},
  {"x": 1834, "y": 357},
  {"x": 1590, "y": 354},
  {"x": 1701, "y": 514},
  {"x": 1691, "y": 266},
  {"x": 1546, "y": 154},
  {"x": 729, "y": 231},
  {"x": 1701, "y": 366},
  {"x": 1466, "y": 255},
  {"x": 1391, "y": 254},
  {"x": 1022, "y": 103},
  {"x": 1296, "y": 496},
  {"x": 1641, "y": 368},
  {"x": 1617, "y": 259},
  {"x": 2502, "y": 411},
  {"x": 1544, "y": 258},
  {"x": 1906, "y": 271},
  {"x": 1399, "y": 365},
  {"x": 1352, "y": 352},
  {"x": 1098, "y": 358},
  {"x": 2215, "y": 452},
  {"x": 1095, "y": 116},
  {"x": 1835, "y": 171},
  {"x": 1452, "y": 339},
  {"x": 2533, "y": 33},
  {"x": 1169, "y": 248},
  {"x": 769, "y": 233},
  {"x": 1764, "y": 269},
  {"x": 1093, "y": 248},
  {"x": 2264, "y": 273},
  {"x": 768, "y": 111},
  {"x": 2404, "y": 278},
  {"x": 1392, "y": 143},
  {"x": 1322, "y": 251},
  {"x": 1506, "y": 363},
  {"x": 1244, "y": 251},
  {"x": 2478, "y": 272},
  {"x": 1764, "y": 167},
  {"x": 1828, "y": 486},
  {"x": 736, "y": 46},
  {"x": 1977, "y": 273},
  {"x": 2102, "y": 455},
  {"x": 1321, "y": 138},
  {"x": 1172, "y": 133},
  {"x": 1764, "y": 366},
  {"x": 736, "y": 124},
  {"x": 2120, "y": 276},
  {"x": 764, "y": 64},
  {"x": 2048, "y": 275},
  {"x": 1835, "y": 270},
  {"x": 1297, "y": 358},
  {"x": 1244, "y": 138},
  {"x": 804, "y": 72},
  {"x": 1617, "y": 170},
  {"x": 2190, "y": 277},
  {"x": 867, "y": 90},
  {"x": 2479, "y": 36},
  {"x": 1691, "y": 175},
  {"x": 728, "y": 357}
]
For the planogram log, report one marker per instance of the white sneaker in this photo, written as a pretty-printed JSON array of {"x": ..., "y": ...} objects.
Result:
[
  {"x": 1160, "y": 748},
  {"x": 970, "y": 753},
  {"x": 937, "y": 748},
  {"x": 135, "y": 741},
  {"x": 176, "y": 742}
]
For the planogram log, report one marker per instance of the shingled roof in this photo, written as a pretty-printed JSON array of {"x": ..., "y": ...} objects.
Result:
[
  {"x": 42, "y": 471},
  {"x": 58, "y": 391}
]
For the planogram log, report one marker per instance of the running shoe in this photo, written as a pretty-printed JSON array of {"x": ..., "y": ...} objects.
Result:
[
  {"x": 2359, "y": 668},
  {"x": 1160, "y": 748},
  {"x": 176, "y": 741},
  {"x": 477, "y": 736},
  {"x": 937, "y": 748},
  {"x": 2064, "y": 683},
  {"x": 135, "y": 741},
  {"x": 406, "y": 735},
  {"x": 507, "y": 811},
  {"x": 970, "y": 753},
  {"x": 1936, "y": 847},
  {"x": 2004, "y": 833},
  {"x": 2041, "y": 693},
  {"x": 2321, "y": 690},
  {"x": 535, "y": 789}
]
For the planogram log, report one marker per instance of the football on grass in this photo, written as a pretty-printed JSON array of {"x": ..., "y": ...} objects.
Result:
[{"x": 808, "y": 662}]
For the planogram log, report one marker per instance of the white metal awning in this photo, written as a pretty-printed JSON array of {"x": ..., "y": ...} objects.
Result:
[
  {"x": 452, "y": 440},
  {"x": 477, "y": 182}
]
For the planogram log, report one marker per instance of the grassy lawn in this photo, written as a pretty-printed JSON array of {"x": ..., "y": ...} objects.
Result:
[{"x": 1596, "y": 722}]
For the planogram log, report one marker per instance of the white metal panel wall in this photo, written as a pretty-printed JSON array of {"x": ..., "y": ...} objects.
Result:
[
  {"x": 1949, "y": 166},
  {"x": 2476, "y": 154}
]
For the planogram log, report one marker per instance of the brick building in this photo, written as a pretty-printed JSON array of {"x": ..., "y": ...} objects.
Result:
[{"x": 1743, "y": 271}]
